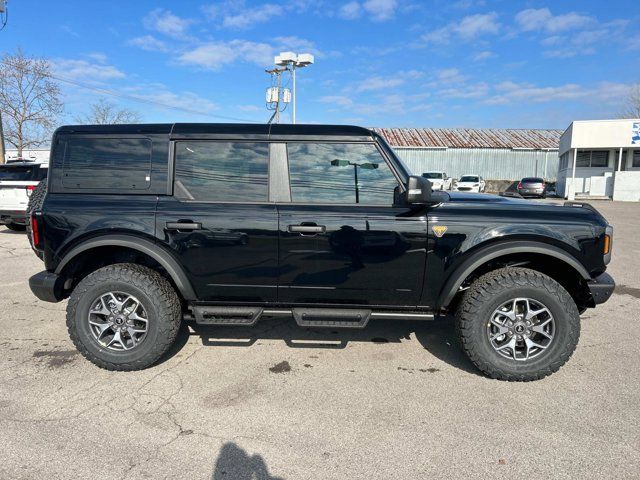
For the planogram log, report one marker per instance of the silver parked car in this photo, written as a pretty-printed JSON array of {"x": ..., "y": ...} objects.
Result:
[{"x": 532, "y": 187}]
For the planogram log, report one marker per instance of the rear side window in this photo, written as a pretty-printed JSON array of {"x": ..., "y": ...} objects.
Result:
[
  {"x": 222, "y": 171},
  {"x": 345, "y": 173},
  {"x": 107, "y": 163}
]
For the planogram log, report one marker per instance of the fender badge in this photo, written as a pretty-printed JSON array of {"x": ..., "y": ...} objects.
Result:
[{"x": 439, "y": 230}]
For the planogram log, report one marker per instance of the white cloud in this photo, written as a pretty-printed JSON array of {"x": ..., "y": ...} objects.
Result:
[
  {"x": 506, "y": 93},
  {"x": 214, "y": 55},
  {"x": 253, "y": 16},
  {"x": 350, "y": 11},
  {"x": 484, "y": 55},
  {"x": 533, "y": 19},
  {"x": 467, "y": 29},
  {"x": 378, "y": 83},
  {"x": 84, "y": 70},
  {"x": 167, "y": 23},
  {"x": 236, "y": 14},
  {"x": 376, "y": 10},
  {"x": 380, "y": 10},
  {"x": 149, "y": 43}
]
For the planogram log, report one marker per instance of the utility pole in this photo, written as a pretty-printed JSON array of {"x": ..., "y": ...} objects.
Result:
[{"x": 3, "y": 23}]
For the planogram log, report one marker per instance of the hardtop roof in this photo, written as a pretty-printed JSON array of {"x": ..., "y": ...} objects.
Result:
[{"x": 218, "y": 128}]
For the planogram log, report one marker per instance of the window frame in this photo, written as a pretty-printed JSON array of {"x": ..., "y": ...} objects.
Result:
[{"x": 368, "y": 205}]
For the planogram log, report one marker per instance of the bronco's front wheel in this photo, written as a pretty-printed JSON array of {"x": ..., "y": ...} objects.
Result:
[
  {"x": 518, "y": 324},
  {"x": 123, "y": 316}
]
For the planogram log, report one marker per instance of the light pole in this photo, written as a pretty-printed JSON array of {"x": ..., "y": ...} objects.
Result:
[
  {"x": 345, "y": 163},
  {"x": 292, "y": 62}
]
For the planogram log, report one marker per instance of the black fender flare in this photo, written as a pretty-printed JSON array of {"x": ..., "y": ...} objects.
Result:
[
  {"x": 164, "y": 258},
  {"x": 483, "y": 255}
]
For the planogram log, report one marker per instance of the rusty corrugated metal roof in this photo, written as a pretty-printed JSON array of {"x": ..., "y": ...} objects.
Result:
[{"x": 471, "y": 137}]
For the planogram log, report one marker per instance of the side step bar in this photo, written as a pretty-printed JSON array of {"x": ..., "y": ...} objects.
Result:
[
  {"x": 214, "y": 315},
  {"x": 304, "y": 317}
]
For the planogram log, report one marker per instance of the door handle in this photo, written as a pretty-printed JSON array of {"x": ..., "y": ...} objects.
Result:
[
  {"x": 307, "y": 229},
  {"x": 183, "y": 226}
]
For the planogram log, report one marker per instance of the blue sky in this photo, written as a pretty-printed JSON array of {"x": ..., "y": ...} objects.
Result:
[{"x": 403, "y": 63}]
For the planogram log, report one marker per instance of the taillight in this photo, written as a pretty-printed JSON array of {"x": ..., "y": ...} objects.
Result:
[
  {"x": 519, "y": 184},
  {"x": 35, "y": 231},
  {"x": 30, "y": 189}
]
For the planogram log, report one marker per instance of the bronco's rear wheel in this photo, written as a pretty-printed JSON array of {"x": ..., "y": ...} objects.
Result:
[
  {"x": 518, "y": 324},
  {"x": 123, "y": 316}
]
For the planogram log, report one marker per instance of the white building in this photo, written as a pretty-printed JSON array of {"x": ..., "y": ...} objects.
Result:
[
  {"x": 39, "y": 155},
  {"x": 600, "y": 159}
]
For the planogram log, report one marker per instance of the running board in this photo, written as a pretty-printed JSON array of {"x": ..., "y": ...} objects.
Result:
[
  {"x": 331, "y": 317},
  {"x": 213, "y": 315},
  {"x": 304, "y": 317}
]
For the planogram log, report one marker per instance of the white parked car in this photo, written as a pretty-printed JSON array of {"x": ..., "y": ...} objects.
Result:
[
  {"x": 470, "y": 183},
  {"x": 18, "y": 179},
  {"x": 439, "y": 180}
]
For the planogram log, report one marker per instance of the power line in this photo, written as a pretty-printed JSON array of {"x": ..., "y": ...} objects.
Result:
[{"x": 134, "y": 98}]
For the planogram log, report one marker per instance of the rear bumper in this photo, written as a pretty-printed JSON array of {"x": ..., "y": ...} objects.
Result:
[
  {"x": 47, "y": 286},
  {"x": 601, "y": 288},
  {"x": 13, "y": 216}
]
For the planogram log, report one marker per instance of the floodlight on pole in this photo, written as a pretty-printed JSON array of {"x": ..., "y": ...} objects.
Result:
[{"x": 292, "y": 62}]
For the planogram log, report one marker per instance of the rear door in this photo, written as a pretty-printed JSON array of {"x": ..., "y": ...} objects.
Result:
[
  {"x": 219, "y": 221},
  {"x": 343, "y": 238}
]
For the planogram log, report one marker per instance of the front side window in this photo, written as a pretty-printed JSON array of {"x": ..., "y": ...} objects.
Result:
[
  {"x": 345, "y": 173},
  {"x": 211, "y": 171}
]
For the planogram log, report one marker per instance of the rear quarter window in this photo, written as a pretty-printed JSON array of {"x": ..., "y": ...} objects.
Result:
[{"x": 107, "y": 163}]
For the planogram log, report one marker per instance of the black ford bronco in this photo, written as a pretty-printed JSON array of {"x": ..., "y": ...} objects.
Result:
[{"x": 144, "y": 226}]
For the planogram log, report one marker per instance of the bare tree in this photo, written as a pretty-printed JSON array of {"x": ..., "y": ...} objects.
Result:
[
  {"x": 104, "y": 112},
  {"x": 632, "y": 103},
  {"x": 29, "y": 100}
]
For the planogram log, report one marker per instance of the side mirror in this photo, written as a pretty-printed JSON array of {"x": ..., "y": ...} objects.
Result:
[{"x": 418, "y": 190}]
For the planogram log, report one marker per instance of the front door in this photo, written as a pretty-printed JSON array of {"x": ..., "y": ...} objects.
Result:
[
  {"x": 219, "y": 222},
  {"x": 342, "y": 239}
]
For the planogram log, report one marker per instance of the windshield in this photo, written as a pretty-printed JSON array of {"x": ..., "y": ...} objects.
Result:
[
  {"x": 469, "y": 178},
  {"x": 532, "y": 180},
  {"x": 432, "y": 175}
]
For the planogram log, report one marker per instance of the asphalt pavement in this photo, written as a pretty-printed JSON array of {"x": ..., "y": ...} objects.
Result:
[{"x": 397, "y": 400}]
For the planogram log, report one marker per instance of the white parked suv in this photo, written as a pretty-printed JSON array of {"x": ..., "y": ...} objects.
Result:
[
  {"x": 470, "y": 183},
  {"x": 18, "y": 179},
  {"x": 439, "y": 180}
]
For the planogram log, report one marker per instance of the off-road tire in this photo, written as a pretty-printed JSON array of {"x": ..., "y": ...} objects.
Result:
[
  {"x": 494, "y": 288},
  {"x": 35, "y": 202},
  {"x": 158, "y": 298},
  {"x": 16, "y": 227}
]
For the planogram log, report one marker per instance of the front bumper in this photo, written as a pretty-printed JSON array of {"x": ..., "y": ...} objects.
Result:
[
  {"x": 601, "y": 288},
  {"x": 47, "y": 286},
  {"x": 13, "y": 216}
]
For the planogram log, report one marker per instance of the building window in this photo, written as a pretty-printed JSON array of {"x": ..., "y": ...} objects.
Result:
[
  {"x": 222, "y": 171},
  {"x": 636, "y": 159},
  {"x": 592, "y": 158}
]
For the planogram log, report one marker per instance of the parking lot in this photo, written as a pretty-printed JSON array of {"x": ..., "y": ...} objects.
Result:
[{"x": 396, "y": 400}]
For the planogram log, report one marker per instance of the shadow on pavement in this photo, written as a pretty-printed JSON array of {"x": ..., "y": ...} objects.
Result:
[
  {"x": 233, "y": 463},
  {"x": 438, "y": 336}
]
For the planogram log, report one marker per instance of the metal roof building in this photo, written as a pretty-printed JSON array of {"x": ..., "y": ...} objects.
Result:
[{"x": 495, "y": 154}]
